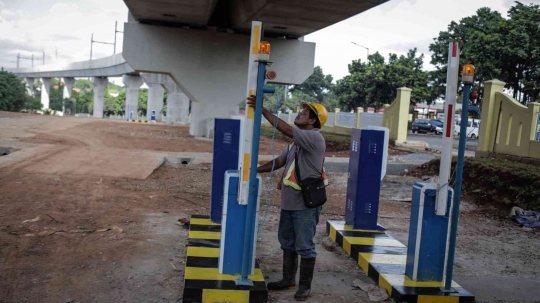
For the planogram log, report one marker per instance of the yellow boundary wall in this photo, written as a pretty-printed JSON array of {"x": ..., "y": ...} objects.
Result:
[
  {"x": 507, "y": 126},
  {"x": 396, "y": 115}
]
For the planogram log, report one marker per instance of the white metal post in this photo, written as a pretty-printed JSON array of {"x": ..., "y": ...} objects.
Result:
[
  {"x": 246, "y": 141},
  {"x": 448, "y": 131}
]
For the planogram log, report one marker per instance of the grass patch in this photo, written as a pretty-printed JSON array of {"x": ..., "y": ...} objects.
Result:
[
  {"x": 334, "y": 143},
  {"x": 499, "y": 181}
]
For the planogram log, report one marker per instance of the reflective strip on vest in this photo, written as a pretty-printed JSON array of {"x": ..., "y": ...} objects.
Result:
[{"x": 289, "y": 179}]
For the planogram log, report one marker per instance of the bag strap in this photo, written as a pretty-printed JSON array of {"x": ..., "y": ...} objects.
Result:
[{"x": 296, "y": 167}]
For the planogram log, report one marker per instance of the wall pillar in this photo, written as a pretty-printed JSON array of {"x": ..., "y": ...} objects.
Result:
[
  {"x": 132, "y": 83},
  {"x": 359, "y": 110},
  {"x": 45, "y": 90},
  {"x": 336, "y": 114},
  {"x": 100, "y": 83},
  {"x": 490, "y": 114}
]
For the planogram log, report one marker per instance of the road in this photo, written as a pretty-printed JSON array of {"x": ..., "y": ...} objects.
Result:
[{"x": 435, "y": 142}]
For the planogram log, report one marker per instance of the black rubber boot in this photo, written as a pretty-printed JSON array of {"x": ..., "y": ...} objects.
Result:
[
  {"x": 290, "y": 266},
  {"x": 307, "y": 266}
]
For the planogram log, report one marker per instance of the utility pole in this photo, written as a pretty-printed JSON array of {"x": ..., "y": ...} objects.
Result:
[
  {"x": 115, "y": 31},
  {"x": 32, "y": 60},
  {"x": 92, "y": 41},
  {"x": 56, "y": 55},
  {"x": 18, "y": 59},
  {"x": 43, "y": 58}
]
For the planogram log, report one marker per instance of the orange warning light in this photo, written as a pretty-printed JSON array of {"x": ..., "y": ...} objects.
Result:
[
  {"x": 467, "y": 74},
  {"x": 264, "y": 47}
]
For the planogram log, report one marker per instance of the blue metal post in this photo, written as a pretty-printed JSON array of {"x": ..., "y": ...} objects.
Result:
[
  {"x": 252, "y": 200},
  {"x": 457, "y": 188}
]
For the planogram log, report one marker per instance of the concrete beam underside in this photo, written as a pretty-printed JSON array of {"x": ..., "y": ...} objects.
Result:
[{"x": 209, "y": 67}]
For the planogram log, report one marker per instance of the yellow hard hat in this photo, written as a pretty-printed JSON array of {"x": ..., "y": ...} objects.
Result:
[{"x": 320, "y": 111}]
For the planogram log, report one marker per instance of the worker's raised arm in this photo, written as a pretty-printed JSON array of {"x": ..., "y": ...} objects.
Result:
[
  {"x": 282, "y": 126},
  {"x": 267, "y": 167}
]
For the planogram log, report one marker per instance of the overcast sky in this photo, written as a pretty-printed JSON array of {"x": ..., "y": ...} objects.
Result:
[{"x": 64, "y": 26}]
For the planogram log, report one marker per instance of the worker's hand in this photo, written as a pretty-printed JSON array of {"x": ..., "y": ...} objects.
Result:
[{"x": 251, "y": 101}]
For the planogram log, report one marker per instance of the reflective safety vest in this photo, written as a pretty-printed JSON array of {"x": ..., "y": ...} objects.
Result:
[{"x": 289, "y": 176}]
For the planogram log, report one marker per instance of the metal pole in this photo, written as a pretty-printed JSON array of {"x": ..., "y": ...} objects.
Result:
[
  {"x": 115, "y": 24},
  {"x": 457, "y": 189},
  {"x": 18, "y": 59},
  {"x": 252, "y": 196},
  {"x": 91, "y": 44},
  {"x": 43, "y": 58},
  {"x": 32, "y": 60}
]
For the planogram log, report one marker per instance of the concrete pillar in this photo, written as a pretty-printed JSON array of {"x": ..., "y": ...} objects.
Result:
[
  {"x": 45, "y": 89},
  {"x": 30, "y": 86},
  {"x": 177, "y": 103},
  {"x": 100, "y": 83},
  {"x": 68, "y": 89},
  {"x": 155, "y": 84},
  {"x": 68, "y": 86},
  {"x": 204, "y": 114},
  {"x": 132, "y": 83},
  {"x": 359, "y": 111},
  {"x": 336, "y": 115},
  {"x": 490, "y": 114}
]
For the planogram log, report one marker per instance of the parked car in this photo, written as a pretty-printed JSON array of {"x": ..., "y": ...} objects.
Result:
[
  {"x": 473, "y": 125},
  {"x": 427, "y": 126}
]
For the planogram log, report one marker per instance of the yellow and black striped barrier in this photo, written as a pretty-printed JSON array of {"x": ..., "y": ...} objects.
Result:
[
  {"x": 383, "y": 259},
  {"x": 140, "y": 121},
  {"x": 202, "y": 281}
]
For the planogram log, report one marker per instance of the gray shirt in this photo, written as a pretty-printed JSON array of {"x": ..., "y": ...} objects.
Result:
[{"x": 310, "y": 160}]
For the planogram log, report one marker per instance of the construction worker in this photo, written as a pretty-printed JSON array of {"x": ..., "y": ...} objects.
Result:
[{"x": 297, "y": 223}]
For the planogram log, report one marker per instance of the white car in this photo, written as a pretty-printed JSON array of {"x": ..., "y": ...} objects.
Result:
[{"x": 472, "y": 128}]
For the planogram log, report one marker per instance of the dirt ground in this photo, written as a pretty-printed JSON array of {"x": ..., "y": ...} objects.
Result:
[{"x": 102, "y": 237}]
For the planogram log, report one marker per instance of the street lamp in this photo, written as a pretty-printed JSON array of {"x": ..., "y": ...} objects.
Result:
[{"x": 367, "y": 48}]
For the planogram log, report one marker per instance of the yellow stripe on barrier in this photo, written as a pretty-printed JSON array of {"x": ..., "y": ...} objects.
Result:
[
  {"x": 203, "y": 221},
  {"x": 221, "y": 295},
  {"x": 403, "y": 280},
  {"x": 332, "y": 233},
  {"x": 201, "y": 273},
  {"x": 207, "y": 252},
  {"x": 256, "y": 34},
  {"x": 208, "y": 235},
  {"x": 365, "y": 258},
  {"x": 245, "y": 169}
]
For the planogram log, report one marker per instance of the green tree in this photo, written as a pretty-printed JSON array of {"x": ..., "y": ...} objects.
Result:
[
  {"x": 506, "y": 49},
  {"x": 143, "y": 101},
  {"x": 375, "y": 82},
  {"x": 12, "y": 92},
  {"x": 317, "y": 85},
  {"x": 56, "y": 95}
]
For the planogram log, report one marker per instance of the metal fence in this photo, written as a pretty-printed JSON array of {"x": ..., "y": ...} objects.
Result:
[
  {"x": 371, "y": 119},
  {"x": 345, "y": 119}
]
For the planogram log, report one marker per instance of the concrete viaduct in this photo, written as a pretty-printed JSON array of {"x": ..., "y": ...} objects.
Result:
[{"x": 198, "y": 50}]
